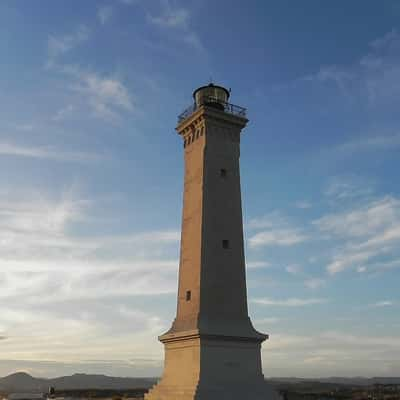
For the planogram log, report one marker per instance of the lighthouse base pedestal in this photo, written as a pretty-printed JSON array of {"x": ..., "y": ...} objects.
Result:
[{"x": 206, "y": 367}]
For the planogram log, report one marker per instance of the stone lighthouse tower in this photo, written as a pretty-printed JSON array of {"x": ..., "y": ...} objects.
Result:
[{"x": 212, "y": 350}]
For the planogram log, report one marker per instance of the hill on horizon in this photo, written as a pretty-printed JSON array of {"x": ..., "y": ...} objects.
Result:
[{"x": 22, "y": 381}]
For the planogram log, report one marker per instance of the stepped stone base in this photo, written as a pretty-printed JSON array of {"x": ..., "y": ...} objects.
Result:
[
  {"x": 211, "y": 368},
  {"x": 232, "y": 392}
]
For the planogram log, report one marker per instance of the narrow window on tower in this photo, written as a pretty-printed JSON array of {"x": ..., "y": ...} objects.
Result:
[
  {"x": 188, "y": 295},
  {"x": 225, "y": 244},
  {"x": 222, "y": 172}
]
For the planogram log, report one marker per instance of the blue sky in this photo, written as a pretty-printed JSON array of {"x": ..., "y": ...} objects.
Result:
[{"x": 91, "y": 178}]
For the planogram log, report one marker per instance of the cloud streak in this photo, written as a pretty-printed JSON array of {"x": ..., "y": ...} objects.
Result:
[
  {"x": 59, "y": 45},
  {"x": 370, "y": 231},
  {"x": 348, "y": 189},
  {"x": 332, "y": 353},
  {"x": 291, "y": 302},
  {"x": 104, "y": 14},
  {"x": 278, "y": 237},
  {"x": 106, "y": 96},
  {"x": 383, "y": 303},
  {"x": 314, "y": 283},
  {"x": 257, "y": 264},
  {"x": 176, "y": 21},
  {"x": 371, "y": 143},
  {"x": 372, "y": 80},
  {"x": 47, "y": 153},
  {"x": 171, "y": 18},
  {"x": 276, "y": 231}
]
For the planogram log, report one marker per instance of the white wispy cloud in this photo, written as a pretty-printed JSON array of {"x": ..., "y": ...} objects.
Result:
[
  {"x": 171, "y": 18},
  {"x": 386, "y": 39},
  {"x": 374, "y": 217},
  {"x": 383, "y": 265},
  {"x": 257, "y": 264},
  {"x": 47, "y": 153},
  {"x": 80, "y": 338},
  {"x": 266, "y": 321},
  {"x": 294, "y": 269},
  {"x": 278, "y": 237},
  {"x": 24, "y": 127},
  {"x": 270, "y": 220},
  {"x": 61, "y": 44},
  {"x": 35, "y": 237},
  {"x": 383, "y": 303},
  {"x": 291, "y": 302},
  {"x": 104, "y": 14},
  {"x": 276, "y": 230},
  {"x": 303, "y": 204},
  {"x": 347, "y": 259},
  {"x": 332, "y": 73},
  {"x": 39, "y": 218},
  {"x": 348, "y": 188},
  {"x": 332, "y": 353},
  {"x": 107, "y": 96},
  {"x": 177, "y": 21},
  {"x": 85, "y": 282},
  {"x": 129, "y": 2},
  {"x": 314, "y": 283},
  {"x": 372, "y": 78},
  {"x": 370, "y": 143},
  {"x": 63, "y": 113},
  {"x": 368, "y": 232}
]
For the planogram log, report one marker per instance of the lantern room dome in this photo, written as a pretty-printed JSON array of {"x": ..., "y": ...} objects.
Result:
[{"x": 211, "y": 95}]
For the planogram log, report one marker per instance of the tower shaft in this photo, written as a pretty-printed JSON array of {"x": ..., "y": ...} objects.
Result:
[{"x": 212, "y": 282}]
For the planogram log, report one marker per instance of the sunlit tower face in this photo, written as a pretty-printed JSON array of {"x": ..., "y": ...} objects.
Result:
[{"x": 212, "y": 350}]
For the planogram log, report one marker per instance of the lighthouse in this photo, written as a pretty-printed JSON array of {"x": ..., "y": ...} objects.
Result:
[{"x": 212, "y": 350}]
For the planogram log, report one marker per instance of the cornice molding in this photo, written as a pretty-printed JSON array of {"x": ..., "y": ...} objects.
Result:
[{"x": 209, "y": 113}]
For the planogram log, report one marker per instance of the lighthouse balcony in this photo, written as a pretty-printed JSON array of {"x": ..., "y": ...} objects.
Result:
[{"x": 216, "y": 103}]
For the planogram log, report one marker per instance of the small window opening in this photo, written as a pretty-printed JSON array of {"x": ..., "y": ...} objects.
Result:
[
  {"x": 188, "y": 295},
  {"x": 223, "y": 172},
  {"x": 225, "y": 244}
]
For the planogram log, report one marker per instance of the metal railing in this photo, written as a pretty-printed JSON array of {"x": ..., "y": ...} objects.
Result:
[{"x": 226, "y": 107}]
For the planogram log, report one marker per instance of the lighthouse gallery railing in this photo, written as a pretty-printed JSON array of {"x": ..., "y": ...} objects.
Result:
[{"x": 227, "y": 107}]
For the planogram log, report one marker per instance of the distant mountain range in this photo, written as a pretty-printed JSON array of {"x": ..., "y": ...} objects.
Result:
[{"x": 22, "y": 382}]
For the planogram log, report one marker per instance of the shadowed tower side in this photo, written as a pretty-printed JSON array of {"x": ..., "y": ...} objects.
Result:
[{"x": 212, "y": 350}]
